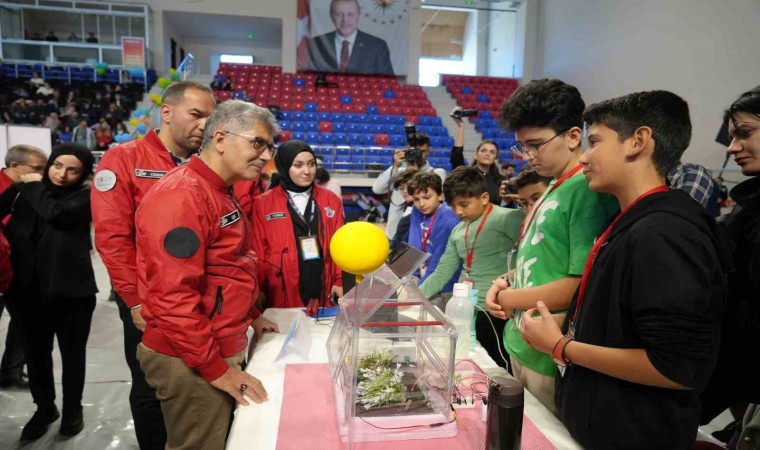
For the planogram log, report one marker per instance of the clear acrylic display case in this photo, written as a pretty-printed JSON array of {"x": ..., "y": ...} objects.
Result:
[{"x": 391, "y": 355}]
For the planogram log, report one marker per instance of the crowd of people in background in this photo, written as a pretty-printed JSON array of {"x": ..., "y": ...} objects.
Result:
[{"x": 87, "y": 114}]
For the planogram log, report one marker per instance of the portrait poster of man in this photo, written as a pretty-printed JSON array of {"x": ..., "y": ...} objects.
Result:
[{"x": 353, "y": 36}]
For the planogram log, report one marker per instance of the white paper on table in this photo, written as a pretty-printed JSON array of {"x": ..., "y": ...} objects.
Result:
[{"x": 296, "y": 346}]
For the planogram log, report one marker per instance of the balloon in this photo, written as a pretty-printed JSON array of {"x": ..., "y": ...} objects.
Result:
[
  {"x": 142, "y": 128},
  {"x": 163, "y": 83},
  {"x": 175, "y": 76},
  {"x": 359, "y": 247},
  {"x": 145, "y": 121},
  {"x": 133, "y": 121},
  {"x": 172, "y": 70}
]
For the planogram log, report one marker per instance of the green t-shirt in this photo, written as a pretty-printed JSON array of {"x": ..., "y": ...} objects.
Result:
[
  {"x": 556, "y": 246},
  {"x": 496, "y": 239}
]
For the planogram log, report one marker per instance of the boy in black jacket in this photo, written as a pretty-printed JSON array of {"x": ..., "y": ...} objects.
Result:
[{"x": 641, "y": 336}]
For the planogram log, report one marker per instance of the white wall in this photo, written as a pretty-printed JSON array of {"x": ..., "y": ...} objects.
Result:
[
  {"x": 170, "y": 31},
  {"x": 705, "y": 52},
  {"x": 207, "y": 52},
  {"x": 283, "y": 9},
  {"x": 502, "y": 29},
  {"x": 470, "y": 45}
]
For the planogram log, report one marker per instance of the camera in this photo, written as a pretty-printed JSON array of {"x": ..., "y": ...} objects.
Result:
[
  {"x": 459, "y": 113},
  {"x": 412, "y": 155}
]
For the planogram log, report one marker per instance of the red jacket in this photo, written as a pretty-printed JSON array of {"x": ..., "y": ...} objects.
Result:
[
  {"x": 196, "y": 269},
  {"x": 6, "y": 271},
  {"x": 124, "y": 176},
  {"x": 275, "y": 244},
  {"x": 5, "y": 183},
  {"x": 246, "y": 193}
]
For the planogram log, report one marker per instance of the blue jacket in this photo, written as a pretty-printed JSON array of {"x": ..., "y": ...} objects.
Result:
[{"x": 445, "y": 221}]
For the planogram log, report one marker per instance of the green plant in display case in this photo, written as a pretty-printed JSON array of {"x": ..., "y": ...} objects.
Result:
[{"x": 380, "y": 386}]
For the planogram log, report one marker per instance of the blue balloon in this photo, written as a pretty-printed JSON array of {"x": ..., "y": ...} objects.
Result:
[{"x": 142, "y": 128}]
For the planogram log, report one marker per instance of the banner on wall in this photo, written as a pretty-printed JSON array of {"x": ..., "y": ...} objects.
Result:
[
  {"x": 133, "y": 53},
  {"x": 355, "y": 36}
]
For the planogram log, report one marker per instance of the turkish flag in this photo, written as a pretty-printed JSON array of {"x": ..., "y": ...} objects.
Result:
[{"x": 302, "y": 35}]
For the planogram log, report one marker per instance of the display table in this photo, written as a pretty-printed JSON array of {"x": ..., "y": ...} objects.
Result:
[{"x": 255, "y": 426}]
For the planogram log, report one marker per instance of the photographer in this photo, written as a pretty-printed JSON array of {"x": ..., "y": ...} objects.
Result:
[
  {"x": 414, "y": 157},
  {"x": 486, "y": 155}
]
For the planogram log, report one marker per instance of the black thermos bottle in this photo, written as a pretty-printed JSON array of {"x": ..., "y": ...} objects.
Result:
[{"x": 506, "y": 397}]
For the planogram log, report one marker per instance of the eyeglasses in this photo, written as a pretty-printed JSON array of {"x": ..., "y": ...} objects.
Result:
[
  {"x": 531, "y": 150},
  {"x": 257, "y": 143},
  {"x": 35, "y": 169}
]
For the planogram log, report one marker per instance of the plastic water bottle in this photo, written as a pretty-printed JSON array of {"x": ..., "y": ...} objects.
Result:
[
  {"x": 459, "y": 310},
  {"x": 474, "y": 301}
]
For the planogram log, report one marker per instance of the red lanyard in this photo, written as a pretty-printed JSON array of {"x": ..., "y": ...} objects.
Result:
[
  {"x": 427, "y": 232},
  {"x": 467, "y": 230},
  {"x": 600, "y": 242},
  {"x": 534, "y": 211}
]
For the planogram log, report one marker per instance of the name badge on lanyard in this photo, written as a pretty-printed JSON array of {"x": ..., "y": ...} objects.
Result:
[{"x": 308, "y": 245}]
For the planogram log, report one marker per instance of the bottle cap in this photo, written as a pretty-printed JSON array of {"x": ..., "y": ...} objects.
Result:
[
  {"x": 461, "y": 290},
  {"x": 506, "y": 392}
]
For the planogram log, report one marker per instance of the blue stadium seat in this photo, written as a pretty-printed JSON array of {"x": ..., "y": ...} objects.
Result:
[
  {"x": 311, "y": 116},
  {"x": 298, "y": 126},
  {"x": 284, "y": 124},
  {"x": 365, "y": 128},
  {"x": 372, "y": 109},
  {"x": 398, "y": 140},
  {"x": 326, "y": 138},
  {"x": 346, "y": 99},
  {"x": 286, "y": 115},
  {"x": 436, "y": 141},
  {"x": 312, "y": 138},
  {"x": 338, "y": 117},
  {"x": 299, "y": 116},
  {"x": 351, "y": 118},
  {"x": 355, "y": 139},
  {"x": 312, "y": 126},
  {"x": 324, "y": 117},
  {"x": 357, "y": 167},
  {"x": 298, "y": 135},
  {"x": 368, "y": 139},
  {"x": 448, "y": 141},
  {"x": 353, "y": 127},
  {"x": 310, "y": 106},
  {"x": 342, "y": 151},
  {"x": 340, "y": 138},
  {"x": 339, "y": 127}
]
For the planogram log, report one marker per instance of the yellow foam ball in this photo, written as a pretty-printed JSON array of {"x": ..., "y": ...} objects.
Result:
[{"x": 359, "y": 247}]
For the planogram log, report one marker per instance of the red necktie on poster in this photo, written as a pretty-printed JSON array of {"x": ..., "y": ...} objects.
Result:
[{"x": 344, "y": 57}]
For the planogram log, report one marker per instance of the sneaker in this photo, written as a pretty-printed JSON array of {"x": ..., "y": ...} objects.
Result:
[
  {"x": 39, "y": 423},
  {"x": 72, "y": 421}
]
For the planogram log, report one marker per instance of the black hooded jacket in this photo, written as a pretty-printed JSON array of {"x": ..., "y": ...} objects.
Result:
[
  {"x": 49, "y": 234},
  {"x": 659, "y": 283}
]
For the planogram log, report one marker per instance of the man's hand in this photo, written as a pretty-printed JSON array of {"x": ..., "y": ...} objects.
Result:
[
  {"x": 31, "y": 177},
  {"x": 336, "y": 291},
  {"x": 398, "y": 157},
  {"x": 236, "y": 383},
  {"x": 137, "y": 318},
  {"x": 504, "y": 192},
  {"x": 457, "y": 120},
  {"x": 541, "y": 332},
  {"x": 492, "y": 299},
  {"x": 262, "y": 325}
]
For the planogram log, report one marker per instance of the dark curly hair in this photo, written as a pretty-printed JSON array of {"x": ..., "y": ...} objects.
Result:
[
  {"x": 544, "y": 104},
  {"x": 421, "y": 182},
  {"x": 526, "y": 177},
  {"x": 464, "y": 182},
  {"x": 664, "y": 112}
]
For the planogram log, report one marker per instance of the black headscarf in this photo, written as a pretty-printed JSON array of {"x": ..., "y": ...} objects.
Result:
[
  {"x": 81, "y": 153},
  {"x": 284, "y": 158}
]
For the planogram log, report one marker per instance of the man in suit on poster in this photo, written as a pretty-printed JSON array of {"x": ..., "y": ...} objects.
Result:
[{"x": 347, "y": 49}]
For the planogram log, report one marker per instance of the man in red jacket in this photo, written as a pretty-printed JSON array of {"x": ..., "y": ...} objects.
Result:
[
  {"x": 124, "y": 176},
  {"x": 20, "y": 160},
  {"x": 197, "y": 279}
]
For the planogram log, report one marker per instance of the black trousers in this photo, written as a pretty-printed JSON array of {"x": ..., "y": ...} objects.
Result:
[
  {"x": 67, "y": 320},
  {"x": 492, "y": 342},
  {"x": 13, "y": 357},
  {"x": 146, "y": 409}
]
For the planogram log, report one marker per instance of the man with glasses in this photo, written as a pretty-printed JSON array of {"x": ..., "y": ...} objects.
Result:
[
  {"x": 123, "y": 177},
  {"x": 197, "y": 278},
  {"x": 19, "y": 161},
  {"x": 546, "y": 116}
]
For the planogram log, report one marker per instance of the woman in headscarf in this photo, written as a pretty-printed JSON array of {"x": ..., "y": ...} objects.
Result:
[
  {"x": 53, "y": 289},
  {"x": 293, "y": 225}
]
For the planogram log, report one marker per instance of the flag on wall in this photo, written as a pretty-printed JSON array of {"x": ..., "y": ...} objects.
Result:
[{"x": 303, "y": 33}]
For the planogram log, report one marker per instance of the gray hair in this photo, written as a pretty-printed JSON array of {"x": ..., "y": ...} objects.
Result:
[
  {"x": 19, "y": 154},
  {"x": 237, "y": 116}
]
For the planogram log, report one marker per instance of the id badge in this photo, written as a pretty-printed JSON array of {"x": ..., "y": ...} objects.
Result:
[{"x": 309, "y": 248}]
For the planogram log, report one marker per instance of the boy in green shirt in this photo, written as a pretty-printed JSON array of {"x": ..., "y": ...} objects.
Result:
[
  {"x": 480, "y": 243},
  {"x": 547, "y": 118}
]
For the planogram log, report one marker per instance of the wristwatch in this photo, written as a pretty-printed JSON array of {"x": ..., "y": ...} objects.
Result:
[{"x": 558, "y": 353}]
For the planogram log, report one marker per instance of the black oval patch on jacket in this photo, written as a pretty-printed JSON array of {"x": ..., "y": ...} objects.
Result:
[{"x": 181, "y": 242}]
